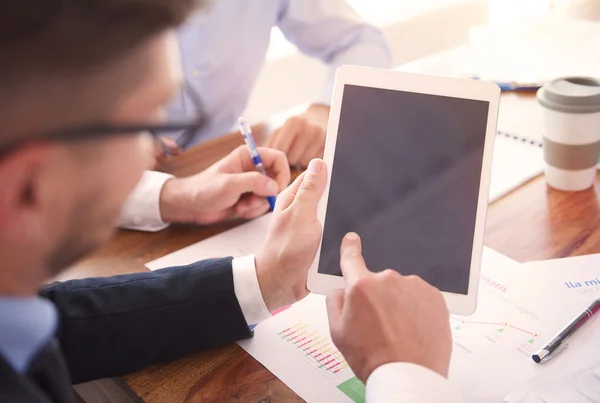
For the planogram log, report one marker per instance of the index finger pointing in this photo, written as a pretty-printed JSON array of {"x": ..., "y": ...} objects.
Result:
[{"x": 351, "y": 259}]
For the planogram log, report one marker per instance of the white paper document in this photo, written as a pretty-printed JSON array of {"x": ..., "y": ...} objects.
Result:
[
  {"x": 520, "y": 307},
  {"x": 240, "y": 241},
  {"x": 518, "y": 312},
  {"x": 296, "y": 346},
  {"x": 574, "y": 375}
]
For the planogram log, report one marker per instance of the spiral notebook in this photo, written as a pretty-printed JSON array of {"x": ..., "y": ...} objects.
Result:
[{"x": 516, "y": 160}]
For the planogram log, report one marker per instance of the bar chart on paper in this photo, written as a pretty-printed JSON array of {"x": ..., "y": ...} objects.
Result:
[
  {"x": 318, "y": 351},
  {"x": 297, "y": 347}
]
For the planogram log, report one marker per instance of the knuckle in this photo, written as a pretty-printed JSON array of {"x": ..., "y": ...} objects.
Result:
[
  {"x": 287, "y": 196},
  {"x": 360, "y": 286},
  {"x": 228, "y": 181},
  {"x": 308, "y": 186},
  {"x": 349, "y": 254},
  {"x": 305, "y": 160},
  {"x": 294, "y": 121},
  {"x": 278, "y": 154},
  {"x": 390, "y": 275},
  {"x": 414, "y": 280},
  {"x": 416, "y": 283},
  {"x": 258, "y": 180},
  {"x": 281, "y": 157}
]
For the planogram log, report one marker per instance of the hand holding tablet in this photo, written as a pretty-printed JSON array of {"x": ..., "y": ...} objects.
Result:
[{"x": 409, "y": 160}]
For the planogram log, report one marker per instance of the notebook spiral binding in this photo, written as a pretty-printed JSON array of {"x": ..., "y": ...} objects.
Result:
[{"x": 523, "y": 140}]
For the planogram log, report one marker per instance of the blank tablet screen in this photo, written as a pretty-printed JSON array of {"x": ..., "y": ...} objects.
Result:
[{"x": 406, "y": 175}]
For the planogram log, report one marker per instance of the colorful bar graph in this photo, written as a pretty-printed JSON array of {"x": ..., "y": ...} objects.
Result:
[
  {"x": 321, "y": 353},
  {"x": 318, "y": 349}
]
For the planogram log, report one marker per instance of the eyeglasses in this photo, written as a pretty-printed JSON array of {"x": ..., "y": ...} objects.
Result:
[
  {"x": 183, "y": 138},
  {"x": 105, "y": 130},
  {"x": 183, "y": 131}
]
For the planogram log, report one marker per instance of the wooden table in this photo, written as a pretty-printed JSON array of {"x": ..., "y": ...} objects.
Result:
[{"x": 532, "y": 223}]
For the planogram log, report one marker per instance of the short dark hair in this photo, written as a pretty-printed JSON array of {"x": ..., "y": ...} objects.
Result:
[
  {"x": 56, "y": 39},
  {"x": 75, "y": 34}
]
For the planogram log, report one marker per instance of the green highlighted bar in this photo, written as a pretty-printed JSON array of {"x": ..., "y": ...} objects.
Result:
[{"x": 354, "y": 389}]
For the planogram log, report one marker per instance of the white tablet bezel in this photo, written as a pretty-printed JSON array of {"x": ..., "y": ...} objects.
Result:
[{"x": 395, "y": 80}]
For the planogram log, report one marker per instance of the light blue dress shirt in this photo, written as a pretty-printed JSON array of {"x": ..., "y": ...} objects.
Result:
[
  {"x": 224, "y": 49},
  {"x": 26, "y": 325}
]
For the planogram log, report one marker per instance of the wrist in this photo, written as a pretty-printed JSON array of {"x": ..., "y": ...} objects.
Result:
[
  {"x": 175, "y": 202},
  {"x": 385, "y": 357},
  {"x": 270, "y": 287}
]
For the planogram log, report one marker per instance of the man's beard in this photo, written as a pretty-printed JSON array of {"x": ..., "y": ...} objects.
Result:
[
  {"x": 87, "y": 231},
  {"x": 68, "y": 251}
]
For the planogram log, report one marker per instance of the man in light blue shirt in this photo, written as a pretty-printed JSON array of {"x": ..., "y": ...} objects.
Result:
[{"x": 224, "y": 49}]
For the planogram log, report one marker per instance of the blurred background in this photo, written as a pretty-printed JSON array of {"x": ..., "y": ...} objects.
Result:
[{"x": 414, "y": 30}]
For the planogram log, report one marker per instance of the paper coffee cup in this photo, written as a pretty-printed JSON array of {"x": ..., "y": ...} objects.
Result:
[{"x": 572, "y": 138}]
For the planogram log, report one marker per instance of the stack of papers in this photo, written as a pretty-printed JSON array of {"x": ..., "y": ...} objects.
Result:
[
  {"x": 520, "y": 308},
  {"x": 580, "y": 386}
]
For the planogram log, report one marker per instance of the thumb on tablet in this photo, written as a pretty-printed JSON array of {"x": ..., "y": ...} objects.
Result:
[{"x": 351, "y": 259}]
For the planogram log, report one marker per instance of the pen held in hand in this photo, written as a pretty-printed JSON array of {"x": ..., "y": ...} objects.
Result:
[{"x": 249, "y": 140}]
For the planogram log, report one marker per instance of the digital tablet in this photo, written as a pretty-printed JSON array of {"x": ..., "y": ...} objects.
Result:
[{"x": 409, "y": 160}]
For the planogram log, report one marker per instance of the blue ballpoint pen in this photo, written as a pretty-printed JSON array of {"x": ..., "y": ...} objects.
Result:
[
  {"x": 249, "y": 139},
  {"x": 516, "y": 86}
]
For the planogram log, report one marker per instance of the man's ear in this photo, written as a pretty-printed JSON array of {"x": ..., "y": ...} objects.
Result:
[{"x": 21, "y": 171}]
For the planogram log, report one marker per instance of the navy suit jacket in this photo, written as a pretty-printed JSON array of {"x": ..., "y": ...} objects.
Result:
[{"x": 116, "y": 325}]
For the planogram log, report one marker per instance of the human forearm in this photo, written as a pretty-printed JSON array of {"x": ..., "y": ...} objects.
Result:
[{"x": 112, "y": 326}]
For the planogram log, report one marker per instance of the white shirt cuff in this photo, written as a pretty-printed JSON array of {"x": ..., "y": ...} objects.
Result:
[
  {"x": 401, "y": 382},
  {"x": 142, "y": 209},
  {"x": 247, "y": 290}
]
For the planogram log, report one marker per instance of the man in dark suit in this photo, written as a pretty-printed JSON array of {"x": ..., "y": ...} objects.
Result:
[
  {"x": 75, "y": 98},
  {"x": 82, "y": 86}
]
